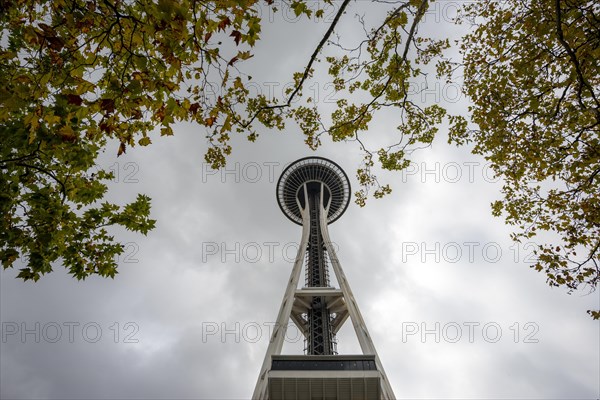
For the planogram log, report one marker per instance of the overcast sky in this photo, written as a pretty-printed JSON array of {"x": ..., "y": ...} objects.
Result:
[{"x": 451, "y": 303}]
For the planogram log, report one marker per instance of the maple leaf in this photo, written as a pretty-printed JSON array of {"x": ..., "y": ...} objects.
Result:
[
  {"x": 237, "y": 36},
  {"x": 233, "y": 60},
  {"x": 122, "y": 149},
  {"x": 74, "y": 99},
  {"x": 225, "y": 22}
]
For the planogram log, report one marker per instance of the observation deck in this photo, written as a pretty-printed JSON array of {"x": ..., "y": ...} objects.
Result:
[{"x": 317, "y": 173}]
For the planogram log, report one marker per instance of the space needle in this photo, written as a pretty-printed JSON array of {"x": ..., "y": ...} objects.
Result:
[{"x": 314, "y": 192}]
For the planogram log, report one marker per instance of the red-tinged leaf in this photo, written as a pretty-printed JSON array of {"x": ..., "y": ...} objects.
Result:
[
  {"x": 108, "y": 105},
  {"x": 209, "y": 121},
  {"x": 48, "y": 30},
  {"x": 55, "y": 43},
  {"x": 68, "y": 138},
  {"x": 136, "y": 114},
  {"x": 104, "y": 127},
  {"x": 237, "y": 36},
  {"x": 194, "y": 107},
  {"x": 74, "y": 99},
  {"x": 224, "y": 23},
  {"x": 160, "y": 114},
  {"x": 122, "y": 149},
  {"x": 207, "y": 36},
  {"x": 233, "y": 60}
]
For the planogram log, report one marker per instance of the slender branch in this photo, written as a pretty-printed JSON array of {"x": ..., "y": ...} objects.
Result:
[
  {"x": 409, "y": 40},
  {"x": 582, "y": 81},
  {"x": 61, "y": 183},
  {"x": 314, "y": 55},
  {"x": 306, "y": 73}
]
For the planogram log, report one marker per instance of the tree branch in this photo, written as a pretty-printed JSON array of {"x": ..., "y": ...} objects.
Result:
[
  {"x": 582, "y": 81},
  {"x": 307, "y": 69},
  {"x": 50, "y": 174}
]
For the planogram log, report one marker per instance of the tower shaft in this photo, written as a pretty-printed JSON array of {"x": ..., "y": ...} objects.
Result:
[{"x": 320, "y": 339}]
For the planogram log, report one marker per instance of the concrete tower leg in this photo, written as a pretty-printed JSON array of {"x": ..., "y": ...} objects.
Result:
[{"x": 285, "y": 310}]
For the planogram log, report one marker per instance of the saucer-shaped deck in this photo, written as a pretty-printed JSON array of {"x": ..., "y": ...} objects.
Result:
[{"x": 313, "y": 170}]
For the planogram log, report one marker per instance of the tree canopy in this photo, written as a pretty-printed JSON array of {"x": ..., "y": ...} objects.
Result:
[
  {"x": 77, "y": 74},
  {"x": 532, "y": 71}
]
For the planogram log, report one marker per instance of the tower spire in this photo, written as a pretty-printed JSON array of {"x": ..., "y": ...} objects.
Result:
[{"x": 314, "y": 192}]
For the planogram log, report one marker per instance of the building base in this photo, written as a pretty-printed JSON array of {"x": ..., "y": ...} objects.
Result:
[{"x": 343, "y": 377}]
